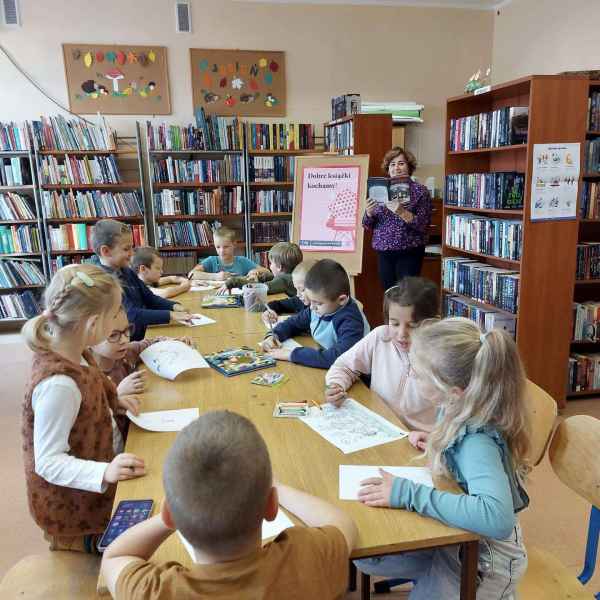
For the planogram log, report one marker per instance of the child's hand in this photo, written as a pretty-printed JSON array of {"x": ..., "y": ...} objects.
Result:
[
  {"x": 186, "y": 340},
  {"x": 178, "y": 316},
  {"x": 223, "y": 275},
  {"x": 252, "y": 275},
  {"x": 377, "y": 491},
  {"x": 135, "y": 383},
  {"x": 124, "y": 466},
  {"x": 280, "y": 353},
  {"x": 371, "y": 206},
  {"x": 335, "y": 394},
  {"x": 223, "y": 291},
  {"x": 129, "y": 403},
  {"x": 270, "y": 316},
  {"x": 418, "y": 439},
  {"x": 185, "y": 284},
  {"x": 270, "y": 343},
  {"x": 193, "y": 272}
]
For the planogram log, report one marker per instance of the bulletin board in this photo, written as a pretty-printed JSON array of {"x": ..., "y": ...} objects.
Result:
[
  {"x": 247, "y": 83},
  {"x": 117, "y": 79},
  {"x": 329, "y": 201}
]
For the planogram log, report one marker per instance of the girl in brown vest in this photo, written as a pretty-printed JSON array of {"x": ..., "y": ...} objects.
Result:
[{"x": 71, "y": 444}]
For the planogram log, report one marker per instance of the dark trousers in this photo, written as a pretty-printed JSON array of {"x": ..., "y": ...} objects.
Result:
[{"x": 396, "y": 264}]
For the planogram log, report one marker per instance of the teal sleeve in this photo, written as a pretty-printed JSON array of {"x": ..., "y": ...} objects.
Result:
[
  {"x": 486, "y": 508},
  {"x": 244, "y": 265},
  {"x": 209, "y": 264}
]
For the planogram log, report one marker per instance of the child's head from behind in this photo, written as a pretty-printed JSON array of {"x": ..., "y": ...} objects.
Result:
[
  {"x": 299, "y": 279},
  {"x": 218, "y": 483},
  {"x": 327, "y": 286},
  {"x": 224, "y": 239},
  {"x": 114, "y": 347},
  {"x": 479, "y": 379},
  {"x": 284, "y": 257},
  {"x": 406, "y": 304},
  {"x": 148, "y": 264},
  {"x": 112, "y": 242},
  {"x": 80, "y": 299}
]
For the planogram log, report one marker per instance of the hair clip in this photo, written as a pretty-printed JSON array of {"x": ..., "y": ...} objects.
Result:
[
  {"x": 87, "y": 280},
  {"x": 482, "y": 337}
]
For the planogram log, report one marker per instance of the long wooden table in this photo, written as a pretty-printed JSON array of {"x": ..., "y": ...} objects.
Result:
[{"x": 300, "y": 456}]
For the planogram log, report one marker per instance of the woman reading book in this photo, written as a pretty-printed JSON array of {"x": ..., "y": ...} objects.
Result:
[{"x": 399, "y": 225}]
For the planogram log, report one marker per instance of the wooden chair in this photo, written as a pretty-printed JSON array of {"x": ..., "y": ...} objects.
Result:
[
  {"x": 573, "y": 455},
  {"x": 543, "y": 412},
  {"x": 55, "y": 575}
]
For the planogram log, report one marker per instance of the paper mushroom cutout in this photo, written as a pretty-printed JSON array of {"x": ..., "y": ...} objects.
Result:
[{"x": 114, "y": 75}]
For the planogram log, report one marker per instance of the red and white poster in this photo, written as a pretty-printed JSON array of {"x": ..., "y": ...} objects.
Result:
[{"x": 330, "y": 207}]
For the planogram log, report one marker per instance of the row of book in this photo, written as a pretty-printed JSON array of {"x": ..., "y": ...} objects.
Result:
[
  {"x": 15, "y": 207},
  {"x": 15, "y": 273},
  {"x": 172, "y": 170},
  {"x": 589, "y": 204},
  {"x": 219, "y": 133},
  {"x": 79, "y": 171},
  {"x": 344, "y": 106},
  {"x": 77, "y": 236},
  {"x": 272, "y": 168},
  {"x": 60, "y": 261},
  {"x": 281, "y": 136},
  {"x": 584, "y": 372},
  {"x": 495, "y": 237},
  {"x": 222, "y": 201},
  {"x": 500, "y": 190},
  {"x": 271, "y": 231},
  {"x": 339, "y": 137},
  {"x": 13, "y": 137},
  {"x": 262, "y": 201},
  {"x": 58, "y": 133},
  {"x": 19, "y": 306},
  {"x": 178, "y": 262},
  {"x": 15, "y": 171},
  {"x": 594, "y": 111},
  {"x": 91, "y": 204},
  {"x": 502, "y": 127},
  {"x": 592, "y": 156},
  {"x": 479, "y": 281},
  {"x": 487, "y": 319},
  {"x": 588, "y": 261},
  {"x": 187, "y": 233},
  {"x": 586, "y": 318},
  {"x": 19, "y": 239}
]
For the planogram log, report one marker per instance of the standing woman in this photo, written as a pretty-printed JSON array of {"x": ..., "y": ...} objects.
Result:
[{"x": 399, "y": 231}]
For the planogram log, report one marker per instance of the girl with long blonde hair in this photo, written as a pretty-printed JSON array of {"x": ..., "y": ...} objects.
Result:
[{"x": 481, "y": 439}]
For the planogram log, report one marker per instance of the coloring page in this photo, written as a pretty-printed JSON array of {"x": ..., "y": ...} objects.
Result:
[{"x": 170, "y": 358}]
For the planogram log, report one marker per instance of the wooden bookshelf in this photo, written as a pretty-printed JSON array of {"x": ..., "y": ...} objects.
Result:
[
  {"x": 557, "y": 108},
  {"x": 483, "y": 305},
  {"x": 194, "y": 185},
  {"x": 109, "y": 187},
  {"x": 492, "y": 212}
]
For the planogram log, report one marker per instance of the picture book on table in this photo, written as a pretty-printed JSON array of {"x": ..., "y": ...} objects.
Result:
[
  {"x": 218, "y": 301},
  {"x": 236, "y": 361}
]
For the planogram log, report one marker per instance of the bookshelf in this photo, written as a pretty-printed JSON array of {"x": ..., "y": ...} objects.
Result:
[
  {"x": 20, "y": 208},
  {"x": 557, "y": 108}
]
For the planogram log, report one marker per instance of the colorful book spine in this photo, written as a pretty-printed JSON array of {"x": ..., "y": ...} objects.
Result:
[
  {"x": 15, "y": 273},
  {"x": 265, "y": 169},
  {"x": 19, "y": 306},
  {"x": 89, "y": 204},
  {"x": 281, "y": 136},
  {"x": 21, "y": 239},
  {"x": 487, "y": 319},
  {"x": 198, "y": 234},
  {"x": 223, "y": 201},
  {"x": 15, "y": 207},
  {"x": 172, "y": 170},
  {"x": 271, "y": 231},
  {"x": 79, "y": 171},
  {"x": 499, "y": 190},
  {"x": 340, "y": 138},
  {"x": 58, "y": 133},
  {"x": 269, "y": 201},
  {"x": 13, "y": 137},
  {"x": 588, "y": 261}
]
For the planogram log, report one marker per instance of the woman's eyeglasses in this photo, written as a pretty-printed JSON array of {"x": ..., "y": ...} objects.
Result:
[{"x": 115, "y": 336}]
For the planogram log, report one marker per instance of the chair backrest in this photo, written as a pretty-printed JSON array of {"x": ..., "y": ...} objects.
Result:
[
  {"x": 574, "y": 452},
  {"x": 542, "y": 410}
]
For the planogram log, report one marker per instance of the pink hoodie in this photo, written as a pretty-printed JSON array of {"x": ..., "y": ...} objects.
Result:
[{"x": 378, "y": 356}]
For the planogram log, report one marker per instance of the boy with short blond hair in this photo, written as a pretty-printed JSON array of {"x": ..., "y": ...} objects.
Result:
[
  {"x": 148, "y": 264},
  {"x": 220, "y": 513}
]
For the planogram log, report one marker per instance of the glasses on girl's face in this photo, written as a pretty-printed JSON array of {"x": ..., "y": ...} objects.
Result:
[{"x": 115, "y": 336}]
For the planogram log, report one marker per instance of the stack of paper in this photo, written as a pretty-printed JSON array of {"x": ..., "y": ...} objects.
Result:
[
  {"x": 352, "y": 475},
  {"x": 165, "y": 420}
]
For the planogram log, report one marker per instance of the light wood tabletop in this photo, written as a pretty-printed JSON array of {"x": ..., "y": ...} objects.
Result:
[{"x": 300, "y": 456}]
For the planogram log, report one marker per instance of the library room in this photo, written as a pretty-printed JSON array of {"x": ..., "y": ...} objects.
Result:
[{"x": 313, "y": 269}]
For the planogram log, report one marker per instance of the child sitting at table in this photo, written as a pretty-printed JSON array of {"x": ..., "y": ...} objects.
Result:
[
  {"x": 383, "y": 354},
  {"x": 220, "y": 513},
  {"x": 148, "y": 264},
  {"x": 333, "y": 319}
]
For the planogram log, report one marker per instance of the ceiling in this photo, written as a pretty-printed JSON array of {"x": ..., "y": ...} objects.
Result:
[{"x": 473, "y": 4}]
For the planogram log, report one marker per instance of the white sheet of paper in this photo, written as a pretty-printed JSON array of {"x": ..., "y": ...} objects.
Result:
[
  {"x": 352, "y": 427},
  {"x": 352, "y": 475},
  {"x": 199, "y": 319},
  {"x": 203, "y": 286},
  {"x": 165, "y": 420},
  {"x": 290, "y": 344},
  {"x": 170, "y": 358},
  {"x": 270, "y": 529}
]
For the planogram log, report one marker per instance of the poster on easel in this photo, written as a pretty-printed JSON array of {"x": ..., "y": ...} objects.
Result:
[
  {"x": 554, "y": 182},
  {"x": 329, "y": 201}
]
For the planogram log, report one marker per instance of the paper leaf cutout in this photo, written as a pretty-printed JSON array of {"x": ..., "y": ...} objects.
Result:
[
  {"x": 262, "y": 63},
  {"x": 237, "y": 83},
  {"x": 229, "y": 100},
  {"x": 253, "y": 85},
  {"x": 111, "y": 56},
  {"x": 254, "y": 70},
  {"x": 143, "y": 59},
  {"x": 132, "y": 58},
  {"x": 203, "y": 65},
  {"x": 222, "y": 70},
  {"x": 274, "y": 66},
  {"x": 268, "y": 78},
  {"x": 223, "y": 82},
  {"x": 76, "y": 54},
  {"x": 121, "y": 58},
  {"x": 99, "y": 56},
  {"x": 88, "y": 60},
  {"x": 151, "y": 56},
  {"x": 207, "y": 80},
  {"x": 231, "y": 68}
]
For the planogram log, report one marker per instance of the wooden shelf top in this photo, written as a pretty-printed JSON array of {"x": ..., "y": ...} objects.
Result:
[
  {"x": 5, "y": 153},
  {"x": 592, "y": 133},
  {"x": 486, "y": 211},
  {"x": 271, "y": 214},
  {"x": 19, "y": 222},
  {"x": 587, "y": 282},
  {"x": 339, "y": 121},
  {"x": 271, "y": 183},
  {"x": 92, "y": 186},
  {"x": 71, "y": 252},
  {"x": 15, "y": 188},
  {"x": 479, "y": 303},
  {"x": 184, "y": 152},
  {"x": 584, "y": 343},
  {"x": 17, "y": 254},
  {"x": 18, "y": 288},
  {"x": 283, "y": 152},
  {"x": 589, "y": 220},
  {"x": 591, "y": 175},
  {"x": 509, "y": 88},
  {"x": 194, "y": 184},
  {"x": 263, "y": 244},
  {"x": 125, "y": 219},
  {"x": 83, "y": 152},
  {"x": 511, "y": 264},
  {"x": 193, "y": 248},
  {"x": 583, "y": 393},
  {"x": 165, "y": 218},
  {"x": 594, "y": 83},
  {"x": 483, "y": 150}
]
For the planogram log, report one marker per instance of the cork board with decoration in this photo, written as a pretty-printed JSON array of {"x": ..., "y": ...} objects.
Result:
[
  {"x": 246, "y": 83},
  {"x": 117, "y": 79}
]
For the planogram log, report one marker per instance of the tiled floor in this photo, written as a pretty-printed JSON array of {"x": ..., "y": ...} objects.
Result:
[{"x": 556, "y": 520}]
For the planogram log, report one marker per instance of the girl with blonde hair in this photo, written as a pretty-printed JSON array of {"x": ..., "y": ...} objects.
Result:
[
  {"x": 481, "y": 439},
  {"x": 71, "y": 443}
]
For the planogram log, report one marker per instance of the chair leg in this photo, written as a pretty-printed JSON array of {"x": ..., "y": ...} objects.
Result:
[
  {"x": 591, "y": 549},
  {"x": 365, "y": 586},
  {"x": 352, "y": 577}
]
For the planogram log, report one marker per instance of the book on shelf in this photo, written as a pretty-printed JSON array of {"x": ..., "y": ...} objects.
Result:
[
  {"x": 345, "y": 105},
  {"x": 175, "y": 138},
  {"x": 14, "y": 273},
  {"x": 57, "y": 262},
  {"x": 178, "y": 262},
  {"x": 589, "y": 204},
  {"x": 502, "y": 238},
  {"x": 592, "y": 156},
  {"x": 272, "y": 168},
  {"x": 594, "y": 111},
  {"x": 13, "y": 137},
  {"x": 486, "y": 318},
  {"x": 58, "y": 133},
  {"x": 79, "y": 171},
  {"x": 584, "y": 372},
  {"x": 187, "y": 233},
  {"x": 588, "y": 261},
  {"x": 23, "y": 305},
  {"x": 586, "y": 321},
  {"x": 222, "y": 201},
  {"x": 268, "y": 201},
  {"x": 280, "y": 136},
  {"x": 502, "y": 127},
  {"x": 481, "y": 282},
  {"x": 499, "y": 190},
  {"x": 261, "y": 258},
  {"x": 15, "y": 171},
  {"x": 271, "y": 231},
  {"x": 19, "y": 239},
  {"x": 219, "y": 133},
  {"x": 77, "y": 236},
  {"x": 16, "y": 207},
  {"x": 340, "y": 137},
  {"x": 173, "y": 170},
  {"x": 90, "y": 204}
]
